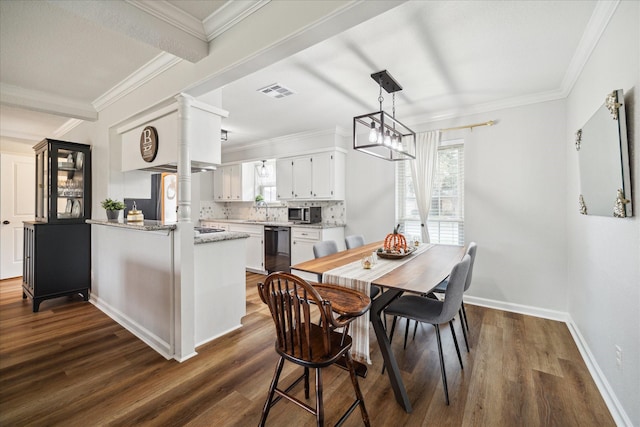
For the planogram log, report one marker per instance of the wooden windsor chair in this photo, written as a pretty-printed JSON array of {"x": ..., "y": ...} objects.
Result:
[{"x": 293, "y": 303}]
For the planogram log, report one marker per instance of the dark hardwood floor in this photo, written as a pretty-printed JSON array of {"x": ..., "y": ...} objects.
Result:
[{"x": 72, "y": 365}]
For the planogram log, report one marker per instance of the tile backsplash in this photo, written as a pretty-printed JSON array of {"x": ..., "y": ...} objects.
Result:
[{"x": 333, "y": 212}]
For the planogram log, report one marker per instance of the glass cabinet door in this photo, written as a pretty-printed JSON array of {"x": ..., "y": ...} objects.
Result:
[
  {"x": 63, "y": 181},
  {"x": 70, "y": 179}
]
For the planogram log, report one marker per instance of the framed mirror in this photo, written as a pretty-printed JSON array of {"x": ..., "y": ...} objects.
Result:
[{"x": 603, "y": 158}]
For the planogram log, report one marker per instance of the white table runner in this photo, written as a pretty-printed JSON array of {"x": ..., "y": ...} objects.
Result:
[{"x": 354, "y": 276}]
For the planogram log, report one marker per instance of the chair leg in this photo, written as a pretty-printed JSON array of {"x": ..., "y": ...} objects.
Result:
[
  {"x": 356, "y": 387},
  {"x": 306, "y": 383},
  {"x": 464, "y": 312},
  {"x": 319, "y": 405},
  {"x": 444, "y": 374},
  {"x": 464, "y": 331},
  {"x": 272, "y": 389},
  {"x": 415, "y": 329},
  {"x": 406, "y": 332},
  {"x": 455, "y": 341}
]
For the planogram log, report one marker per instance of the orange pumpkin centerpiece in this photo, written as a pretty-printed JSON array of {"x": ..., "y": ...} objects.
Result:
[{"x": 395, "y": 241}]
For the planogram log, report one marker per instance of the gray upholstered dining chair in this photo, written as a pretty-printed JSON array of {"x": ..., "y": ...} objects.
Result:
[
  {"x": 324, "y": 248},
  {"x": 441, "y": 288},
  {"x": 436, "y": 312},
  {"x": 354, "y": 241}
]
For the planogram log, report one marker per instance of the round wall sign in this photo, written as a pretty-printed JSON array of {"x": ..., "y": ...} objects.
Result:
[{"x": 149, "y": 144}]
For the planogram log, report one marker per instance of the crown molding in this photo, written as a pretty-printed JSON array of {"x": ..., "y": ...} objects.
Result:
[
  {"x": 66, "y": 127},
  {"x": 172, "y": 15},
  {"x": 23, "y": 137},
  {"x": 229, "y": 15},
  {"x": 502, "y": 104},
  {"x": 602, "y": 14},
  {"x": 45, "y": 102},
  {"x": 147, "y": 72}
]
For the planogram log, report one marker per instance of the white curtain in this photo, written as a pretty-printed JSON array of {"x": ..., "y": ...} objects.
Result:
[{"x": 423, "y": 173}]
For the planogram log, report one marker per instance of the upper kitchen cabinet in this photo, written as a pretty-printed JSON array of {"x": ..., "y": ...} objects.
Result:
[
  {"x": 234, "y": 183},
  {"x": 155, "y": 140},
  {"x": 320, "y": 176},
  {"x": 63, "y": 182}
]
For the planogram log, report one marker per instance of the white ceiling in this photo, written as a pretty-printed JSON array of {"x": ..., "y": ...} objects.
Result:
[{"x": 451, "y": 57}]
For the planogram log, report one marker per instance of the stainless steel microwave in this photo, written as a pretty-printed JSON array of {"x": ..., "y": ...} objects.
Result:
[{"x": 305, "y": 215}]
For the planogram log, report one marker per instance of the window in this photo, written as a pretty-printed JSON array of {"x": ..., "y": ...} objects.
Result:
[{"x": 446, "y": 217}]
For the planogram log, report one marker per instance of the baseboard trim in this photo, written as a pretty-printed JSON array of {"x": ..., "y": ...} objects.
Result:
[
  {"x": 231, "y": 329},
  {"x": 615, "y": 407},
  {"x": 613, "y": 404},
  {"x": 164, "y": 348},
  {"x": 518, "y": 308}
]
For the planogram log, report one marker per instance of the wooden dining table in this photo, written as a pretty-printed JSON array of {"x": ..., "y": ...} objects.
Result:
[{"x": 420, "y": 274}]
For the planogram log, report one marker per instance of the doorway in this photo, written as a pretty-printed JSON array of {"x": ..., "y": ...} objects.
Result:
[{"x": 17, "y": 201}]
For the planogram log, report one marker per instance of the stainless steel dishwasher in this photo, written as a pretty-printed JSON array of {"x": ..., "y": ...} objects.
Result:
[{"x": 277, "y": 248}]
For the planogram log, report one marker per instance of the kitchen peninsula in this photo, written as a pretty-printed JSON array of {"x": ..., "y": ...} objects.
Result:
[{"x": 171, "y": 288}]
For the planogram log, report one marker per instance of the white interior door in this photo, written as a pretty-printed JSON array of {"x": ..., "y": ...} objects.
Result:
[{"x": 17, "y": 200}]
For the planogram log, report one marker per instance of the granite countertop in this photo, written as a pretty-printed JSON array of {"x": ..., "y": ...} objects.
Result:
[
  {"x": 219, "y": 237},
  {"x": 146, "y": 225},
  {"x": 272, "y": 223},
  {"x": 151, "y": 225}
]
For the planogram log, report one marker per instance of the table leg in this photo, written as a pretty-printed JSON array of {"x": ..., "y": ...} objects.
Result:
[{"x": 375, "y": 315}]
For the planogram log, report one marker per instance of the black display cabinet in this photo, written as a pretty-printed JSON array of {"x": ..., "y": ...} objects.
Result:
[{"x": 57, "y": 245}]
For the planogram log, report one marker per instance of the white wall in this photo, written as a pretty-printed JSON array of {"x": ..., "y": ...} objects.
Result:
[
  {"x": 7, "y": 145},
  {"x": 604, "y": 253},
  {"x": 370, "y": 196},
  {"x": 515, "y": 188}
]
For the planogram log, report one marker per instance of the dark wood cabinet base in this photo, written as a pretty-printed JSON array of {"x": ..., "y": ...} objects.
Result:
[
  {"x": 37, "y": 300},
  {"x": 57, "y": 261}
]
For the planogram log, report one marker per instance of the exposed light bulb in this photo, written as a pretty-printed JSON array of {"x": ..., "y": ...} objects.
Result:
[
  {"x": 394, "y": 141},
  {"x": 379, "y": 137},
  {"x": 373, "y": 133},
  {"x": 387, "y": 139}
]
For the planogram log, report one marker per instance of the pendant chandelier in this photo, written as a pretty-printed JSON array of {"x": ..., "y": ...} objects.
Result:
[
  {"x": 380, "y": 134},
  {"x": 263, "y": 172}
]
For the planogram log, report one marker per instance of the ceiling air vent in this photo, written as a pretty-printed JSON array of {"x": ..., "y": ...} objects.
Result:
[{"x": 276, "y": 90}]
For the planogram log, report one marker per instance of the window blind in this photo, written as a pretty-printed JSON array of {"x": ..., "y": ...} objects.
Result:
[{"x": 446, "y": 217}]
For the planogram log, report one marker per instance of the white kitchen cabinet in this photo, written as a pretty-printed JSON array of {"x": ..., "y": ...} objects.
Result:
[
  {"x": 255, "y": 245},
  {"x": 234, "y": 183},
  {"x": 319, "y": 176},
  {"x": 284, "y": 179},
  {"x": 302, "y": 178},
  {"x": 303, "y": 239}
]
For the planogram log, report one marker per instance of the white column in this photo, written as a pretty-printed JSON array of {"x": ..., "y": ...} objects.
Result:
[{"x": 184, "y": 157}]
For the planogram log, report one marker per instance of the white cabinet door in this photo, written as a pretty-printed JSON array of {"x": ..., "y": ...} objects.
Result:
[
  {"x": 254, "y": 255},
  {"x": 255, "y": 252},
  {"x": 218, "y": 187},
  {"x": 235, "y": 182},
  {"x": 322, "y": 176},
  {"x": 302, "y": 171},
  {"x": 284, "y": 179},
  {"x": 226, "y": 183},
  {"x": 302, "y": 241},
  {"x": 301, "y": 251}
]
